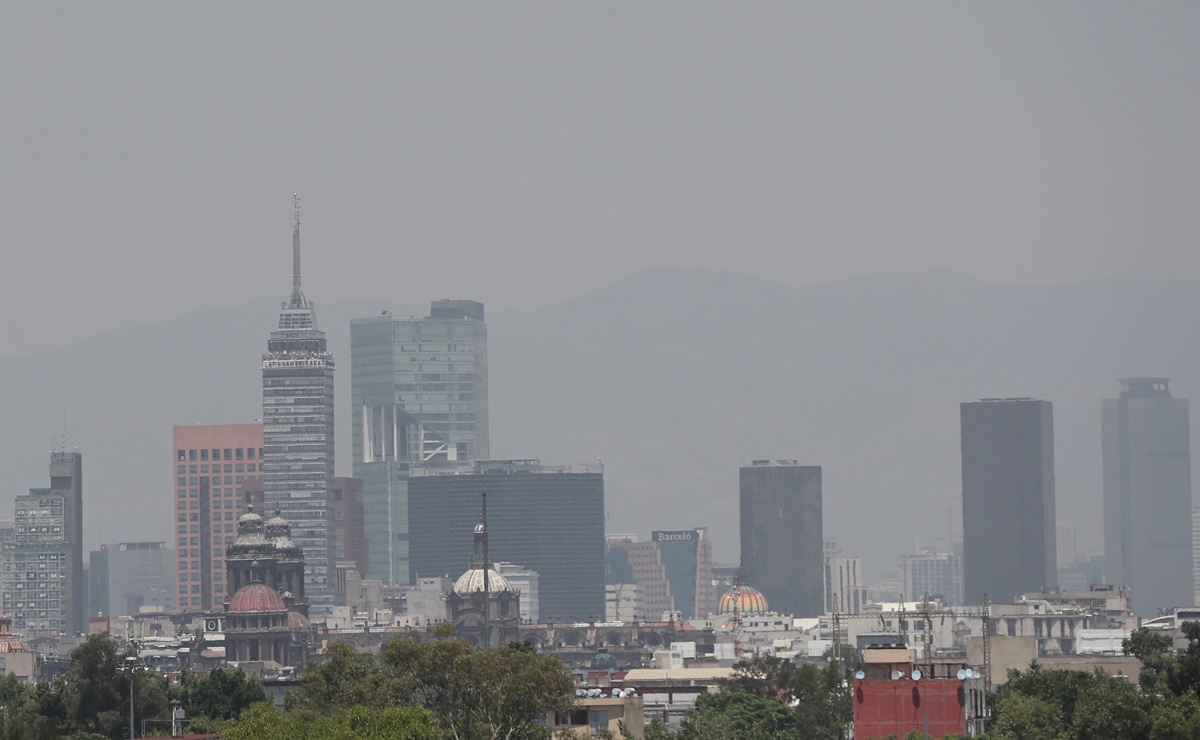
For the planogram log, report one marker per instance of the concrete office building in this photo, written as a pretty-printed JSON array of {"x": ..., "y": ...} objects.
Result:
[
  {"x": 637, "y": 579},
  {"x": 298, "y": 463},
  {"x": 938, "y": 573},
  {"x": 1148, "y": 495},
  {"x": 418, "y": 397},
  {"x": 43, "y": 582},
  {"x": 687, "y": 560},
  {"x": 1009, "y": 545},
  {"x": 843, "y": 580},
  {"x": 130, "y": 575},
  {"x": 782, "y": 535},
  {"x": 548, "y": 519},
  {"x": 213, "y": 463}
]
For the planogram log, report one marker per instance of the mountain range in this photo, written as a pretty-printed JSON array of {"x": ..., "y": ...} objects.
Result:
[{"x": 674, "y": 378}]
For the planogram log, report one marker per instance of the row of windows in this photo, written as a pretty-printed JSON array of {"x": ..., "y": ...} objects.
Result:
[
  {"x": 184, "y": 504},
  {"x": 235, "y": 453},
  {"x": 216, "y": 480},
  {"x": 193, "y": 492},
  {"x": 229, "y": 468},
  {"x": 194, "y": 517}
]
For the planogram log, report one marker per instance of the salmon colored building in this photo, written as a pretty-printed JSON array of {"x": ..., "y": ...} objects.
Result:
[{"x": 211, "y": 463}]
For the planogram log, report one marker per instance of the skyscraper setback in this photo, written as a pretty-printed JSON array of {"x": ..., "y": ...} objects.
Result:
[
  {"x": 1008, "y": 498},
  {"x": 419, "y": 396},
  {"x": 298, "y": 453},
  {"x": 1148, "y": 494},
  {"x": 783, "y": 545}
]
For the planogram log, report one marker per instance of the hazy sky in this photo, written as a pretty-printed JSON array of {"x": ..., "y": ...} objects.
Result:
[{"x": 526, "y": 153}]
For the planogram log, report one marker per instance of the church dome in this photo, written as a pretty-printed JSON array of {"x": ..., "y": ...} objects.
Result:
[
  {"x": 278, "y": 532},
  {"x": 472, "y": 582},
  {"x": 256, "y": 598},
  {"x": 745, "y": 599},
  {"x": 250, "y": 529},
  {"x": 277, "y": 526},
  {"x": 297, "y": 622}
]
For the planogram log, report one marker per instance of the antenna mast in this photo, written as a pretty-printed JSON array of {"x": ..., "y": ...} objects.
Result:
[
  {"x": 297, "y": 294},
  {"x": 487, "y": 586}
]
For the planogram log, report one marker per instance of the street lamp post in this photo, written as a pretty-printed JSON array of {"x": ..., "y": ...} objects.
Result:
[{"x": 132, "y": 665}]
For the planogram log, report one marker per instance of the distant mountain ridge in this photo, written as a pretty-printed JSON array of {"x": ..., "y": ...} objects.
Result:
[{"x": 674, "y": 378}]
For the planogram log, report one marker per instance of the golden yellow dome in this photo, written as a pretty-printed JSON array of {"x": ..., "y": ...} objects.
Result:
[{"x": 746, "y": 600}]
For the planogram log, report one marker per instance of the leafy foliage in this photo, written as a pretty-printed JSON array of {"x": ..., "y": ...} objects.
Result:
[
  {"x": 265, "y": 722},
  {"x": 223, "y": 693}
]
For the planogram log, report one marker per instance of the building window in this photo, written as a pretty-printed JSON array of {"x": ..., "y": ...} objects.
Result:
[
  {"x": 192, "y": 455},
  {"x": 180, "y": 455},
  {"x": 204, "y": 455}
]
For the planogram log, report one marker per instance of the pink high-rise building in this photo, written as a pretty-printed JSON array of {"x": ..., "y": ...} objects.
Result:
[{"x": 211, "y": 464}]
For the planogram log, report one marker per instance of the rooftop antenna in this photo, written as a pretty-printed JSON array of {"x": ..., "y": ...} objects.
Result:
[
  {"x": 487, "y": 586},
  {"x": 297, "y": 294}
]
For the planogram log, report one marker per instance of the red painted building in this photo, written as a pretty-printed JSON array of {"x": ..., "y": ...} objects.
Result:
[{"x": 897, "y": 695}]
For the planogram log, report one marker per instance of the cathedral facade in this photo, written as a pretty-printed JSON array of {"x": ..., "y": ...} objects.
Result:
[{"x": 266, "y": 612}]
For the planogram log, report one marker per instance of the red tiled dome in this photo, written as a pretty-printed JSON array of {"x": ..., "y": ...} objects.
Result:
[{"x": 256, "y": 597}]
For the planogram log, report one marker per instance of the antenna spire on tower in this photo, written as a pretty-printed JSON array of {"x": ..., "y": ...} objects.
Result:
[{"x": 297, "y": 294}]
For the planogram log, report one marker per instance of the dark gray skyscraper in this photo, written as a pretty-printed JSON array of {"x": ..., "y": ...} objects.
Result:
[
  {"x": 783, "y": 541},
  {"x": 297, "y": 462},
  {"x": 547, "y": 519},
  {"x": 1008, "y": 498},
  {"x": 1148, "y": 494},
  {"x": 419, "y": 396}
]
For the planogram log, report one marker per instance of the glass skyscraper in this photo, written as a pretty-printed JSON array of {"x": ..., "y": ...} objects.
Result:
[
  {"x": 1148, "y": 494},
  {"x": 419, "y": 397},
  {"x": 298, "y": 459},
  {"x": 783, "y": 544},
  {"x": 1009, "y": 532},
  {"x": 687, "y": 559},
  {"x": 549, "y": 519}
]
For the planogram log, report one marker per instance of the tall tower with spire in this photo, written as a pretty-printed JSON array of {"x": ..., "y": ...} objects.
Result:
[{"x": 298, "y": 457}]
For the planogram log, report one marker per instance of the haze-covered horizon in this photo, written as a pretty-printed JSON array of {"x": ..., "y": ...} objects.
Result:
[{"x": 528, "y": 153}]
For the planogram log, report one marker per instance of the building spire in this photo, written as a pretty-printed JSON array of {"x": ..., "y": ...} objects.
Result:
[{"x": 297, "y": 294}]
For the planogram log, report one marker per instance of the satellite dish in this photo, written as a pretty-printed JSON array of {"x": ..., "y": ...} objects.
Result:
[
  {"x": 860, "y": 675},
  {"x": 897, "y": 675},
  {"x": 916, "y": 675},
  {"x": 961, "y": 674},
  {"x": 616, "y": 692},
  {"x": 970, "y": 673}
]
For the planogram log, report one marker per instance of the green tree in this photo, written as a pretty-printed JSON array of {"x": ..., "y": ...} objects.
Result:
[
  {"x": 656, "y": 729},
  {"x": 762, "y": 675},
  {"x": 346, "y": 678},
  {"x": 93, "y": 696},
  {"x": 1111, "y": 709},
  {"x": 1176, "y": 717},
  {"x": 264, "y": 722},
  {"x": 1022, "y": 717},
  {"x": 741, "y": 715},
  {"x": 478, "y": 693},
  {"x": 222, "y": 693}
]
